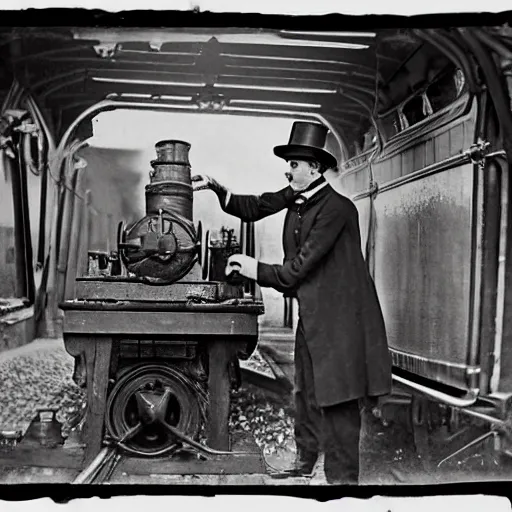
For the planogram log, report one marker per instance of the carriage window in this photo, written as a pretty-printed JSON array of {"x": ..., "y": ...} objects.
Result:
[
  {"x": 414, "y": 110},
  {"x": 439, "y": 95},
  {"x": 446, "y": 90}
]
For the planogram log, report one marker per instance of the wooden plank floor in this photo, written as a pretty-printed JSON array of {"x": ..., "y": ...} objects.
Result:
[
  {"x": 121, "y": 477},
  {"x": 207, "y": 480}
]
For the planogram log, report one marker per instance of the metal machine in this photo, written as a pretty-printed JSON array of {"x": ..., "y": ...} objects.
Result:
[{"x": 157, "y": 345}]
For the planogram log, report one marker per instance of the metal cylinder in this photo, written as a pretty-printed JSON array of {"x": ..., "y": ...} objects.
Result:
[
  {"x": 170, "y": 185},
  {"x": 175, "y": 151}
]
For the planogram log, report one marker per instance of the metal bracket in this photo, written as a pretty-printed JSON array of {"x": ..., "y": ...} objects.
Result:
[
  {"x": 373, "y": 189},
  {"x": 478, "y": 152}
]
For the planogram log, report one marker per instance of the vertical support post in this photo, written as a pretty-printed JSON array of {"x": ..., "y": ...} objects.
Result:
[
  {"x": 219, "y": 399},
  {"x": 97, "y": 354},
  {"x": 41, "y": 249},
  {"x": 83, "y": 248},
  {"x": 66, "y": 234},
  {"x": 74, "y": 241},
  {"x": 19, "y": 238},
  {"x": 25, "y": 286}
]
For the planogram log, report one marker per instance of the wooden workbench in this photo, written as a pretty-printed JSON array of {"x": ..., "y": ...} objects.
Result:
[{"x": 91, "y": 326}]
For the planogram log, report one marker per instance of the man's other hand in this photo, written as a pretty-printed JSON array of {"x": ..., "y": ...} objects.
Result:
[
  {"x": 200, "y": 182},
  {"x": 245, "y": 265},
  {"x": 203, "y": 182}
]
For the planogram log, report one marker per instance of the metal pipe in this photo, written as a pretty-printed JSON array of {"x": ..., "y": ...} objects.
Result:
[
  {"x": 426, "y": 171},
  {"x": 199, "y": 447},
  {"x": 445, "y": 165},
  {"x": 95, "y": 466},
  {"x": 502, "y": 260},
  {"x": 467, "y": 446},
  {"x": 483, "y": 416},
  {"x": 469, "y": 399},
  {"x": 476, "y": 269}
]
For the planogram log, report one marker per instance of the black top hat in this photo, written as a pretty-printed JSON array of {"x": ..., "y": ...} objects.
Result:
[{"x": 307, "y": 142}]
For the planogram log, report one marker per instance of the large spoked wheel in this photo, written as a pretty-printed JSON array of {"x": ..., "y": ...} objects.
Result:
[{"x": 144, "y": 400}]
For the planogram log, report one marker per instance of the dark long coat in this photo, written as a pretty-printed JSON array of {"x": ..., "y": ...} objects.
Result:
[{"x": 338, "y": 305}]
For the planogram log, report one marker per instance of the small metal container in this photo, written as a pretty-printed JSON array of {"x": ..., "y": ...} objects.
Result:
[
  {"x": 45, "y": 429},
  {"x": 9, "y": 438},
  {"x": 98, "y": 264}
]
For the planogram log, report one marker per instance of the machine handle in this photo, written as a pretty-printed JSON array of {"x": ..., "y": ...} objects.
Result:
[{"x": 235, "y": 278}]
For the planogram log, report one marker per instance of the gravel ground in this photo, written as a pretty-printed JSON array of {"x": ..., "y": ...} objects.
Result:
[
  {"x": 40, "y": 375},
  {"x": 35, "y": 376},
  {"x": 267, "y": 417}
]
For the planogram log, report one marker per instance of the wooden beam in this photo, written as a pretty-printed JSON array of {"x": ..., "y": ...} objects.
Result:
[
  {"x": 358, "y": 57},
  {"x": 35, "y": 456},
  {"x": 174, "y": 71},
  {"x": 96, "y": 350},
  {"x": 219, "y": 356},
  {"x": 232, "y": 325},
  {"x": 117, "y": 290}
]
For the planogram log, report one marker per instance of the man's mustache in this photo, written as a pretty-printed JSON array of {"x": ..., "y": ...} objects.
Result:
[{"x": 289, "y": 176}]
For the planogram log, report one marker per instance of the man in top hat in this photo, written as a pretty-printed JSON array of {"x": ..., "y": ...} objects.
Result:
[{"x": 341, "y": 351}]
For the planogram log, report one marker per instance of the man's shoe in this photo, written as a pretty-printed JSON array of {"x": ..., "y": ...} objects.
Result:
[{"x": 303, "y": 466}]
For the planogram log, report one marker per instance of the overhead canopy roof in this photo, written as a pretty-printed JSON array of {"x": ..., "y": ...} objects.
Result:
[{"x": 258, "y": 71}]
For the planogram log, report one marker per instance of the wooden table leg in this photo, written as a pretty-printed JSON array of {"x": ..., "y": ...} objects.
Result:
[
  {"x": 97, "y": 353},
  {"x": 219, "y": 399}
]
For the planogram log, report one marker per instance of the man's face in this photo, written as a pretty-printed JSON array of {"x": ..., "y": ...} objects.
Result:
[{"x": 301, "y": 173}]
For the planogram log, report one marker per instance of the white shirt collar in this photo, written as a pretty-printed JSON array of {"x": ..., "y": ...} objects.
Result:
[{"x": 306, "y": 195}]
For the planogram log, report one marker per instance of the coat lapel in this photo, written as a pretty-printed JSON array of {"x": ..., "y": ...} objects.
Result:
[{"x": 309, "y": 210}]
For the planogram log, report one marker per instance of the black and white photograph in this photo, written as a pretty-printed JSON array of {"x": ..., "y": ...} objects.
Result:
[{"x": 255, "y": 250}]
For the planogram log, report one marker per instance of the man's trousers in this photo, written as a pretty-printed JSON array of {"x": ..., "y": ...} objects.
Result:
[{"x": 335, "y": 430}]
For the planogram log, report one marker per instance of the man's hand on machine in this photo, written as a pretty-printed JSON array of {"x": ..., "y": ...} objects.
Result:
[
  {"x": 200, "y": 182},
  {"x": 244, "y": 265},
  {"x": 203, "y": 182}
]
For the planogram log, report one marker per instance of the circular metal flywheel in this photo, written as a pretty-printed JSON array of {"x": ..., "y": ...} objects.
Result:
[{"x": 146, "y": 399}]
